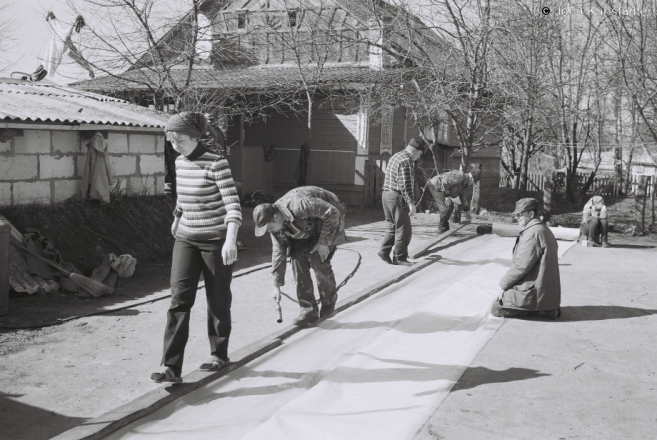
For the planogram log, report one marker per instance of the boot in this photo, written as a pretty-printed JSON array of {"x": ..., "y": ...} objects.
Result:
[
  {"x": 326, "y": 310},
  {"x": 401, "y": 262},
  {"x": 443, "y": 228},
  {"x": 385, "y": 257},
  {"x": 306, "y": 318},
  {"x": 605, "y": 243}
]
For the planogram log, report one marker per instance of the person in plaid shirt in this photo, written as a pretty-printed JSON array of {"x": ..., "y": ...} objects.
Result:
[{"x": 398, "y": 202}]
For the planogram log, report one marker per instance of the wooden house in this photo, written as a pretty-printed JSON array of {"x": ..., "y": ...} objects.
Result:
[{"x": 344, "y": 45}]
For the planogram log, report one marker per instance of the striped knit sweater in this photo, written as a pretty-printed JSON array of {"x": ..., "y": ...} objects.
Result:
[{"x": 207, "y": 198}]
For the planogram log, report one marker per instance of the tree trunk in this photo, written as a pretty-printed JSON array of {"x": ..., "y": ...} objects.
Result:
[
  {"x": 303, "y": 172},
  {"x": 618, "y": 170}
]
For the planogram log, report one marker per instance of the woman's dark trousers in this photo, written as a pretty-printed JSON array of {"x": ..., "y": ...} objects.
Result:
[{"x": 190, "y": 258}]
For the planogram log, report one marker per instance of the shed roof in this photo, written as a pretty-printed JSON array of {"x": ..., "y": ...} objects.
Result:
[{"x": 26, "y": 101}]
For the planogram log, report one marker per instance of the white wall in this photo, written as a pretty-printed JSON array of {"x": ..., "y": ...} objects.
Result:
[{"x": 46, "y": 166}]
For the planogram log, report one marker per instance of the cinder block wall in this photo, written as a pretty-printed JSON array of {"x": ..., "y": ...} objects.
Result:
[{"x": 46, "y": 166}]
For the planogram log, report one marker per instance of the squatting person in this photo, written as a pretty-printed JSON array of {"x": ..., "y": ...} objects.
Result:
[
  {"x": 206, "y": 219},
  {"x": 532, "y": 282},
  {"x": 594, "y": 221},
  {"x": 398, "y": 203},
  {"x": 450, "y": 185},
  {"x": 305, "y": 224}
]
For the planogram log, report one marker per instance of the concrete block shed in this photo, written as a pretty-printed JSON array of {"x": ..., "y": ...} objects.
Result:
[{"x": 44, "y": 129}]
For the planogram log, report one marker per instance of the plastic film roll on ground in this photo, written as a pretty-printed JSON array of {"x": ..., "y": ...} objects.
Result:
[{"x": 505, "y": 230}]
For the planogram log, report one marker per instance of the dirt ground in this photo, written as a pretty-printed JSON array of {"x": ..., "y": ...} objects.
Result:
[{"x": 62, "y": 375}]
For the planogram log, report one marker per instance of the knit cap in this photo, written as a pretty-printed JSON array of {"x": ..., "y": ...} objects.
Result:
[{"x": 190, "y": 123}]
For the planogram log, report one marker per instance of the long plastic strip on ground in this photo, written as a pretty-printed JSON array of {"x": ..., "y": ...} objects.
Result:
[{"x": 376, "y": 370}]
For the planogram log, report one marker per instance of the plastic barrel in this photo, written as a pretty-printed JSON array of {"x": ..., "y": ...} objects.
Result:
[{"x": 5, "y": 236}]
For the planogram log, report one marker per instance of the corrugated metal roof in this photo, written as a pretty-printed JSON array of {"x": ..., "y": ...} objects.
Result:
[{"x": 26, "y": 101}]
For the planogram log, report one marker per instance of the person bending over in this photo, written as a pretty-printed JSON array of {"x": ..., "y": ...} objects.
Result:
[
  {"x": 450, "y": 185},
  {"x": 305, "y": 224}
]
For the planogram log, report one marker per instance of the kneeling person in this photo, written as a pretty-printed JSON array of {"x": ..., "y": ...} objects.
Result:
[
  {"x": 594, "y": 221},
  {"x": 305, "y": 224},
  {"x": 532, "y": 282}
]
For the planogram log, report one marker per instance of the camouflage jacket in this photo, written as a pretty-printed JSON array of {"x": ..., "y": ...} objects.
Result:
[
  {"x": 309, "y": 212},
  {"x": 452, "y": 184}
]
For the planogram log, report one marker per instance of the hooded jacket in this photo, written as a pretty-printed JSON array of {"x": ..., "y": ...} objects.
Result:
[{"x": 532, "y": 282}]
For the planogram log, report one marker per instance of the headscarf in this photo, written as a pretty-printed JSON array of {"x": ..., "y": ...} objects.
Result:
[{"x": 190, "y": 123}]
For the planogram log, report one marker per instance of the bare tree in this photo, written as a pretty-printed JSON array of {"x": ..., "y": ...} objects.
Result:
[
  {"x": 575, "y": 101},
  {"x": 521, "y": 50},
  {"x": 8, "y": 29},
  {"x": 445, "y": 75},
  {"x": 145, "y": 45}
]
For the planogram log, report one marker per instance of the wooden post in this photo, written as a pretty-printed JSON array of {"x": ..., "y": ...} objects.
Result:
[
  {"x": 547, "y": 194},
  {"x": 476, "y": 191},
  {"x": 652, "y": 201},
  {"x": 639, "y": 207}
]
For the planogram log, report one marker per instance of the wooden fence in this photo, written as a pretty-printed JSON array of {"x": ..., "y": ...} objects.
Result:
[{"x": 602, "y": 185}]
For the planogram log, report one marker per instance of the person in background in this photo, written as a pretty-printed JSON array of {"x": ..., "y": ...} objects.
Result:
[
  {"x": 450, "y": 185},
  {"x": 206, "y": 220},
  {"x": 398, "y": 202},
  {"x": 305, "y": 224},
  {"x": 532, "y": 283},
  {"x": 594, "y": 221}
]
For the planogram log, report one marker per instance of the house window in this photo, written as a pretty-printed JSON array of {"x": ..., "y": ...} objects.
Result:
[
  {"x": 386, "y": 130},
  {"x": 363, "y": 126},
  {"x": 292, "y": 19},
  {"x": 443, "y": 133},
  {"x": 241, "y": 20}
]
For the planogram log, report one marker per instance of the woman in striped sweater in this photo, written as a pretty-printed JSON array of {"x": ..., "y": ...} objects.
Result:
[{"x": 206, "y": 219}]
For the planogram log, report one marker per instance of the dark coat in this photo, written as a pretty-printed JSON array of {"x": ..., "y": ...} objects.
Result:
[{"x": 532, "y": 282}]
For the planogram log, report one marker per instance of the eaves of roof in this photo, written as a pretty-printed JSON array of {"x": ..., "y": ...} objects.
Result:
[{"x": 26, "y": 101}]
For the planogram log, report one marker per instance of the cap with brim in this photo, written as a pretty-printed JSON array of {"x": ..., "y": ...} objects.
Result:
[
  {"x": 418, "y": 144},
  {"x": 261, "y": 216},
  {"x": 525, "y": 205}
]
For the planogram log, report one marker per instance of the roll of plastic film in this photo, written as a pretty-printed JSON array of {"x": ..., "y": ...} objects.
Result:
[{"x": 505, "y": 230}]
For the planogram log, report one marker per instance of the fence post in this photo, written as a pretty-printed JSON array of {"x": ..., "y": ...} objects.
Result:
[
  {"x": 652, "y": 202},
  {"x": 547, "y": 194},
  {"x": 639, "y": 207},
  {"x": 476, "y": 190}
]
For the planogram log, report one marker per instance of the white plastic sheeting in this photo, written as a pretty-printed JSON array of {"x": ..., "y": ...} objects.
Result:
[{"x": 374, "y": 371}]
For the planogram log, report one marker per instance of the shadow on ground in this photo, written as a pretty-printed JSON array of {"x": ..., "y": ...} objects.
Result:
[
  {"x": 600, "y": 313},
  {"x": 476, "y": 376},
  {"x": 36, "y": 419},
  {"x": 632, "y": 246}
]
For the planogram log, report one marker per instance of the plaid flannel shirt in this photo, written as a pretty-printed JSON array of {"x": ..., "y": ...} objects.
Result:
[{"x": 399, "y": 175}]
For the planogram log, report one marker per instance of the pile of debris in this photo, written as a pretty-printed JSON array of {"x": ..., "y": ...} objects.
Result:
[{"x": 36, "y": 266}]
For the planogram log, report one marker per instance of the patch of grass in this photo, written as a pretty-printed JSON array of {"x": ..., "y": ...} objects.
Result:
[{"x": 137, "y": 225}]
